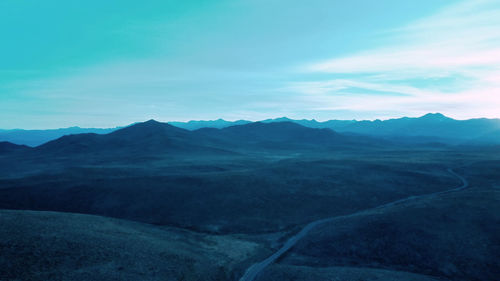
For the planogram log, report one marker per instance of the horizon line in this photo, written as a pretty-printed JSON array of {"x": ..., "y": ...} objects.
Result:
[{"x": 247, "y": 120}]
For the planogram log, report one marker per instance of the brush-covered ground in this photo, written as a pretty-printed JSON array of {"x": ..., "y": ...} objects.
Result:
[
  {"x": 37, "y": 245},
  {"x": 451, "y": 236},
  {"x": 210, "y": 217},
  {"x": 240, "y": 194}
]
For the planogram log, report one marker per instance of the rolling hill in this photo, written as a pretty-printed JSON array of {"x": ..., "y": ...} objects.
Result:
[
  {"x": 7, "y": 147},
  {"x": 62, "y": 246},
  {"x": 276, "y": 135},
  {"x": 37, "y": 137},
  {"x": 454, "y": 235},
  {"x": 146, "y": 139},
  {"x": 198, "y": 124},
  {"x": 154, "y": 139},
  {"x": 432, "y": 127}
]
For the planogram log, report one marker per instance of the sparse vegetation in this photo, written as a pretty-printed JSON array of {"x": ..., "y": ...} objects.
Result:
[
  {"x": 240, "y": 201},
  {"x": 60, "y": 246}
]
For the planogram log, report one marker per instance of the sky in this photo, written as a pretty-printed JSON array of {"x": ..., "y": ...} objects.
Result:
[{"x": 94, "y": 63}]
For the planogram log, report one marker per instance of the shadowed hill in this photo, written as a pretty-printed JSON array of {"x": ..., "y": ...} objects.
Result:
[
  {"x": 150, "y": 129},
  {"x": 219, "y": 123},
  {"x": 38, "y": 137},
  {"x": 454, "y": 235},
  {"x": 61, "y": 246},
  {"x": 431, "y": 127},
  {"x": 277, "y": 135},
  {"x": 281, "y": 131},
  {"x": 147, "y": 138},
  {"x": 7, "y": 147},
  {"x": 154, "y": 138},
  {"x": 155, "y": 141}
]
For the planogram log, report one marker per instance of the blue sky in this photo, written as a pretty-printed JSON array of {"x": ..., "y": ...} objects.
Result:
[{"x": 107, "y": 63}]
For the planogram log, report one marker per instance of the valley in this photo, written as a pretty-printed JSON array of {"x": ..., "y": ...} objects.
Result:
[{"x": 310, "y": 203}]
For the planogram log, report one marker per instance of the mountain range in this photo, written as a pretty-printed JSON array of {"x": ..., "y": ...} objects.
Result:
[
  {"x": 432, "y": 127},
  {"x": 38, "y": 137},
  {"x": 153, "y": 138}
]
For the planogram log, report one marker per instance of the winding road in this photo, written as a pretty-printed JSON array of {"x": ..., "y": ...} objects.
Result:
[{"x": 254, "y": 270}]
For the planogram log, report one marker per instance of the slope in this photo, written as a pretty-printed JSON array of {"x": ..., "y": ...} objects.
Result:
[
  {"x": 62, "y": 246},
  {"x": 146, "y": 139},
  {"x": 454, "y": 235}
]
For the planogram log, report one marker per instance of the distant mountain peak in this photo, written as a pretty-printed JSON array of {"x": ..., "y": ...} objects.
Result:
[
  {"x": 153, "y": 124},
  {"x": 150, "y": 124},
  {"x": 279, "y": 119},
  {"x": 435, "y": 116},
  {"x": 151, "y": 121},
  {"x": 150, "y": 127},
  {"x": 283, "y": 119}
]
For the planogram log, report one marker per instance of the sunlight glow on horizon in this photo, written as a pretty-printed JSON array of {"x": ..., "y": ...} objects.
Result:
[{"x": 246, "y": 60}]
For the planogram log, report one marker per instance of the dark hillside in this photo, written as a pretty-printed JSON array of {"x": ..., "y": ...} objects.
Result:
[
  {"x": 7, "y": 147},
  {"x": 455, "y": 235},
  {"x": 41, "y": 246},
  {"x": 146, "y": 139}
]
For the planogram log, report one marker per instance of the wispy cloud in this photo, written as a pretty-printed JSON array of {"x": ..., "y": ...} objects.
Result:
[
  {"x": 449, "y": 62},
  {"x": 243, "y": 66}
]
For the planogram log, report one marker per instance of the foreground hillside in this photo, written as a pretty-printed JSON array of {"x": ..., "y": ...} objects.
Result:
[
  {"x": 454, "y": 235},
  {"x": 62, "y": 246}
]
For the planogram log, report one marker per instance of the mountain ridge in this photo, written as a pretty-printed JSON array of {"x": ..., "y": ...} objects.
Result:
[
  {"x": 153, "y": 138},
  {"x": 433, "y": 126}
]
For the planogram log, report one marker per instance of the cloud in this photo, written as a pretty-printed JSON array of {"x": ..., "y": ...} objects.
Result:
[
  {"x": 450, "y": 60},
  {"x": 239, "y": 67}
]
